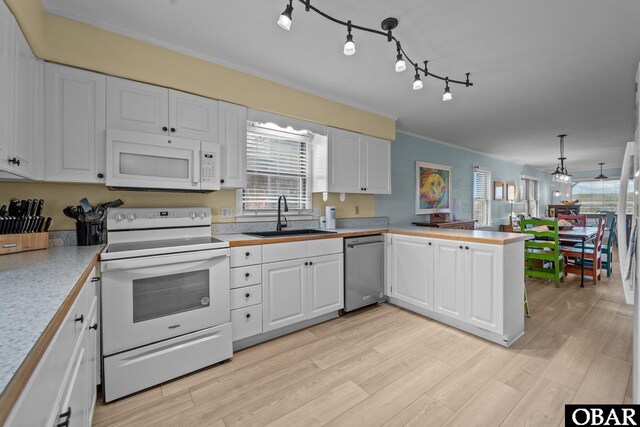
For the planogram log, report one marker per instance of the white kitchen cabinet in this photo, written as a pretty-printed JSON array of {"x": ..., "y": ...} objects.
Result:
[
  {"x": 75, "y": 128},
  {"x": 7, "y": 49},
  {"x": 192, "y": 116},
  {"x": 345, "y": 161},
  {"x": 484, "y": 298},
  {"x": 412, "y": 270},
  {"x": 137, "y": 106},
  {"x": 358, "y": 163},
  {"x": 376, "y": 158},
  {"x": 284, "y": 294},
  {"x": 326, "y": 284},
  {"x": 232, "y": 128},
  {"x": 449, "y": 278}
]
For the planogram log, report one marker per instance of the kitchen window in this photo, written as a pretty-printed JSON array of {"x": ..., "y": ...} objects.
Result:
[
  {"x": 530, "y": 194},
  {"x": 598, "y": 196},
  {"x": 278, "y": 163},
  {"x": 482, "y": 197}
]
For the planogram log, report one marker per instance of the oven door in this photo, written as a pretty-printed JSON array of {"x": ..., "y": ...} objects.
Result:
[
  {"x": 149, "y": 299},
  {"x": 142, "y": 160}
]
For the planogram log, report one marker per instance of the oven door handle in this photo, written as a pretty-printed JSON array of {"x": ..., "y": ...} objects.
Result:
[{"x": 154, "y": 261}]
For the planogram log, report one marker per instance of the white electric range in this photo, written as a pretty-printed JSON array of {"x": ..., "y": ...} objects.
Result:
[{"x": 165, "y": 297}]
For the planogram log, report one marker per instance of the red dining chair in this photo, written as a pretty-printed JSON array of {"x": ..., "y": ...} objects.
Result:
[{"x": 576, "y": 220}]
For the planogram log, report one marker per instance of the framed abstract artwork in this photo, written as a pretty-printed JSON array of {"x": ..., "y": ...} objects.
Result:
[{"x": 433, "y": 188}]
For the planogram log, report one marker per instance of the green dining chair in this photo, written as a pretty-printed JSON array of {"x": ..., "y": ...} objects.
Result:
[{"x": 542, "y": 255}]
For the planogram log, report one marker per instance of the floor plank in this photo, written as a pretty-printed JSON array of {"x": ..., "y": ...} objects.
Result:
[
  {"x": 423, "y": 412},
  {"x": 542, "y": 405},
  {"x": 605, "y": 382}
]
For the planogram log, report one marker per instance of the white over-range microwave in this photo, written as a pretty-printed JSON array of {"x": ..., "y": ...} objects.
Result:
[{"x": 138, "y": 160}]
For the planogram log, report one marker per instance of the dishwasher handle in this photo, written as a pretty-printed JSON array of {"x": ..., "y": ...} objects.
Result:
[{"x": 359, "y": 245}]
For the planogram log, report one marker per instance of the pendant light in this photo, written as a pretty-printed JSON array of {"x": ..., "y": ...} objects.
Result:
[
  {"x": 602, "y": 176},
  {"x": 349, "y": 46},
  {"x": 285, "y": 18},
  {"x": 561, "y": 174},
  {"x": 388, "y": 25}
]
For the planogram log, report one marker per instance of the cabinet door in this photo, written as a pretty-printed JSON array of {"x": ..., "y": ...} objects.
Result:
[
  {"x": 137, "y": 106},
  {"x": 7, "y": 60},
  {"x": 483, "y": 287},
  {"x": 25, "y": 113},
  {"x": 376, "y": 173},
  {"x": 449, "y": 278},
  {"x": 75, "y": 397},
  {"x": 232, "y": 128},
  {"x": 75, "y": 124},
  {"x": 326, "y": 284},
  {"x": 412, "y": 270},
  {"x": 284, "y": 294},
  {"x": 192, "y": 116},
  {"x": 344, "y": 161},
  {"x": 92, "y": 357}
]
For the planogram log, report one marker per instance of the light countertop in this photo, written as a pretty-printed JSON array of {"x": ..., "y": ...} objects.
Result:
[{"x": 33, "y": 286}]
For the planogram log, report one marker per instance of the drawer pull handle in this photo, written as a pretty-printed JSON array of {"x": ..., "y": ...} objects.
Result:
[
  {"x": 95, "y": 279},
  {"x": 310, "y": 262},
  {"x": 306, "y": 263},
  {"x": 247, "y": 295},
  {"x": 466, "y": 247},
  {"x": 460, "y": 246},
  {"x": 9, "y": 245},
  {"x": 94, "y": 327},
  {"x": 246, "y": 275},
  {"x": 67, "y": 416},
  {"x": 79, "y": 319},
  {"x": 247, "y": 253},
  {"x": 248, "y": 315}
]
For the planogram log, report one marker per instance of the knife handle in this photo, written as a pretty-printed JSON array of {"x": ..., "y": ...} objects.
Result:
[{"x": 47, "y": 224}]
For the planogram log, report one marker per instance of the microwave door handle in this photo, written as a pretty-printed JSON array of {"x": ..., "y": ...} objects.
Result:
[{"x": 196, "y": 167}]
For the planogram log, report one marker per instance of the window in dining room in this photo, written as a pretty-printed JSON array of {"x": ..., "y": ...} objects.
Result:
[
  {"x": 598, "y": 196},
  {"x": 529, "y": 195}
]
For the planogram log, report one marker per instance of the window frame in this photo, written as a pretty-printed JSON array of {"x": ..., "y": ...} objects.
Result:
[
  {"x": 523, "y": 194},
  {"x": 629, "y": 204},
  {"x": 487, "y": 199}
]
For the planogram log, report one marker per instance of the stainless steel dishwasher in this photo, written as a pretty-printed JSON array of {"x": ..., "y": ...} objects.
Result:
[{"x": 364, "y": 271}]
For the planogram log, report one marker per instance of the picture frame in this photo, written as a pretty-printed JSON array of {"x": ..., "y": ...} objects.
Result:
[
  {"x": 433, "y": 188},
  {"x": 511, "y": 192},
  {"x": 498, "y": 190}
]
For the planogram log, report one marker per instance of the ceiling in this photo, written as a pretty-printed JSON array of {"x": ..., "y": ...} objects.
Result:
[{"x": 539, "y": 68}]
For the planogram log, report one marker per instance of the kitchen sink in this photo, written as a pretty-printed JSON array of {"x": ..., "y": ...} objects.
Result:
[{"x": 302, "y": 232}]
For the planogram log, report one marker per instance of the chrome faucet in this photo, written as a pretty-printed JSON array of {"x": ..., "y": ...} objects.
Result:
[{"x": 280, "y": 226}]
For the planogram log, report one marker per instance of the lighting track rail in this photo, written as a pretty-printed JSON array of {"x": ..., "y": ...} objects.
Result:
[{"x": 388, "y": 25}]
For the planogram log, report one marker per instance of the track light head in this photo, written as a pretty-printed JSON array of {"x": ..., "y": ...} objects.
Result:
[
  {"x": 349, "y": 46},
  {"x": 400, "y": 64},
  {"x": 417, "y": 83},
  {"x": 447, "y": 93},
  {"x": 285, "y": 18}
]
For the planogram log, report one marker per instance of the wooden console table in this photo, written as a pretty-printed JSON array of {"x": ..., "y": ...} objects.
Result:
[{"x": 461, "y": 225}]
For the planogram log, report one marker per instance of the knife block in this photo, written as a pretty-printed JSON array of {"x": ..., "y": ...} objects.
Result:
[{"x": 14, "y": 243}]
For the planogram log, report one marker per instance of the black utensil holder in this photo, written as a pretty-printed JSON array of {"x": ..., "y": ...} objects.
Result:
[{"x": 89, "y": 233}]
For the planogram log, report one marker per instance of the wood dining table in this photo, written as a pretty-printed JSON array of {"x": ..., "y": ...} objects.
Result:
[{"x": 582, "y": 235}]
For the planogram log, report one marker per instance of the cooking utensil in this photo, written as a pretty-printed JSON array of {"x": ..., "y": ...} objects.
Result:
[{"x": 86, "y": 206}]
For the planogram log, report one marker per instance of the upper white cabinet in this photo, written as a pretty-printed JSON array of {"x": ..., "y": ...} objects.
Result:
[
  {"x": 20, "y": 103},
  {"x": 358, "y": 163},
  {"x": 74, "y": 124},
  {"x": 153, "y": 109},
  {"x": 232, "y": 129},
  {"x": 412, "y": 270},
  {"x": 137, "y": 106},
  {"x": 192, "y": 116}
]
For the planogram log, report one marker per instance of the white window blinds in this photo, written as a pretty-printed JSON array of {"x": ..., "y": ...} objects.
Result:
[
  {"x": 529, "y": 194},
  {"x": 482, "y": 197},
  {"x": 277, "y": 164}
]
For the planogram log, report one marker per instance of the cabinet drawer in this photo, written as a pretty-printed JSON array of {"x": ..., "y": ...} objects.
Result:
[
  {"x": 246, "y": 322},
  {"x": 324, "y": 247},
  {"x": 284, "y": 251},
  {"x": 246, "y": 276},
  {"x": 244, "y": 297},
  {"x": 246, "y": 255}
]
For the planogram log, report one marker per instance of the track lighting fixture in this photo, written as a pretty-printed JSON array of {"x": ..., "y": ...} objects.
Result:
[
  {"x": 349, "y": 46},
  {"x": 285, "y": 18},
  {"x": 447, "y": 93},
  {"x": 387, "y": 25},
  {"x": 400, "y": 64},
  {"x": 417, "y": 83}
]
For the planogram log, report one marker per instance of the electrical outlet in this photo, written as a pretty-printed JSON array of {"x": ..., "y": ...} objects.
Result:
[
  {"x": 227, "y": 212},
  {"x": 357, "y": 210}
]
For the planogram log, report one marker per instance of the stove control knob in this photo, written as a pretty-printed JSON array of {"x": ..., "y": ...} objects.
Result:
[
  {"x": 193, "y": 215},
  {"x": 203, "y": 215},
  {"x": 131, "y": 216},
  {"x": 120, "y": 217}
]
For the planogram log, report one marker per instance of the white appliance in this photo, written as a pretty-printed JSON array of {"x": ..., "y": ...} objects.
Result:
[
  {"x": 161, "y": 162},
  {"x": 165, "y": 297},
  {"x": 628, "y": 245},
  {"x": 330, "y": 217}
]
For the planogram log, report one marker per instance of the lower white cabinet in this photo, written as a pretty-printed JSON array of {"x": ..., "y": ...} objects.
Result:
[
  {"x": 449, "y": 278},
  {"x": 412, "y": 270},
  {"x": 284, "y": 293},
  {"x": 326, "y": 284},
  {"x": 246, "y": 322},
  {"x": 63, "y": 385},
  {"x": 482, "y": 286}
]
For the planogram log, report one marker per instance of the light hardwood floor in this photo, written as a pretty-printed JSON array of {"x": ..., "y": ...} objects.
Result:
[{"x": 387, "y": 366}]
